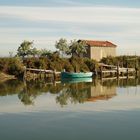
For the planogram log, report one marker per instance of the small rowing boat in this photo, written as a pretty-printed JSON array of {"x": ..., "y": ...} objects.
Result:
[{"x": 76, "y": 74}]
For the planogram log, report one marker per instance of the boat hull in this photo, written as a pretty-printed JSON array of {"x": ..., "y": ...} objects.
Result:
[{"x": 76, "y": 75}]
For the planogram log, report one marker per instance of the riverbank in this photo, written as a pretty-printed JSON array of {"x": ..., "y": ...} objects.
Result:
[{"x": 5, "y": 77}]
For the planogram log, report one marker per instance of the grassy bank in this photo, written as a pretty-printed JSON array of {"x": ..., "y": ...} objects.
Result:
[
  {"x": 12, "y": 66},
  {"x": 4, "y": 77}
]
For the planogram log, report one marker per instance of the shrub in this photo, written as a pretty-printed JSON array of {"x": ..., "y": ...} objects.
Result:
[
  {"x": 13, "y": 66},
  {"x": 91, "y": 64}
]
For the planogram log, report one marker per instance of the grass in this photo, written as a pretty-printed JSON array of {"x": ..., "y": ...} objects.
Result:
[{"x": 5, "y": 77}]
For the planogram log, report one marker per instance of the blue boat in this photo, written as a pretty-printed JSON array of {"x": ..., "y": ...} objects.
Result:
[{"x": 76, "y": 74}]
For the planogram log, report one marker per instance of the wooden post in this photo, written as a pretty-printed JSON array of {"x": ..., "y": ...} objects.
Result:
[
  {"x": 127, "y": 70},
  {"x": 136, "y": 69},
  {"x": 34, "y": 76},
  {"x": 118, "y": 70},
  {"x": 95, "y": 72},
  {"x": 40, "y": 74},
  {"x": 54, "y": 74},
  {"x": 45, "y": 77},
  {"x": 24, "y": 75},
  {"x": 101, "y": 73}
]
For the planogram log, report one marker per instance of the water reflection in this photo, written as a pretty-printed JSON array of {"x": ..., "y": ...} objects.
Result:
[{"x": 72, "y": 92}]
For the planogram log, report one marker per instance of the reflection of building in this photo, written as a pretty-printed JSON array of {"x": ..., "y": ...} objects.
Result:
[{"x": 100, "y": 92}]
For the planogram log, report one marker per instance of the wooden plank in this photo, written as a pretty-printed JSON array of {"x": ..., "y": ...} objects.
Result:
[
  {"x": 39, "y": 70},
  {"x": 42, "y": 70}
]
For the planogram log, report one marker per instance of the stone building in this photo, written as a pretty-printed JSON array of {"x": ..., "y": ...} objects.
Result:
[{"x": 99, "y": 49}]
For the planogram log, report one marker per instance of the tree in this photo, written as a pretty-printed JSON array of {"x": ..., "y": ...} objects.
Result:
[
  {"x": 34, "y": 52},
  {"x": 45, "y": 52},
  {"x": 25, "y": 48},
  {"x": 78, "y": 48},
  {"x": 62, "y": 46}
]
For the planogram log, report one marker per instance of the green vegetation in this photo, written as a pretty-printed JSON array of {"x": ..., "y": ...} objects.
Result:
[{"x": 12, "y": 66}]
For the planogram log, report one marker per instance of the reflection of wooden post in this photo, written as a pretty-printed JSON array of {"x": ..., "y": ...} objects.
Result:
[{"x": 118, "y": 82}]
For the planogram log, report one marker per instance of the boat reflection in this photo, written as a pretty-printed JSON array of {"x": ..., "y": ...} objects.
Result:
[{"x": 76, "y": 80}]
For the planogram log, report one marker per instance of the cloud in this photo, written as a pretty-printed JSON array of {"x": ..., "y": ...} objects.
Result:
[
  {"x": 74, "y": 14},
  {"x": 45, "y": 25}
]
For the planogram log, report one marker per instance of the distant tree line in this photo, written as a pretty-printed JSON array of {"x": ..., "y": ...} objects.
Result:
[{"x": 74, "y": 48}]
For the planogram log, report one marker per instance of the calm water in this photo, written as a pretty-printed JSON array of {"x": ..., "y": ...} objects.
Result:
[{"x": 70, "y": 110}]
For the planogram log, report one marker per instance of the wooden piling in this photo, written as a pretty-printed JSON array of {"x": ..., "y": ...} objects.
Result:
[
  {"x": 54, "y": 74},
  {"x": 118, "y": 70},
  {"x": 127, "y": 70},
  {"x": 25, "y": 73},
  {"x": 136, "y": 68}
]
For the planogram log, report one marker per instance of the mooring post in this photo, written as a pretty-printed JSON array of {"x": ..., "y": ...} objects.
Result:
[
  {"x": 45, "y": 76},
  {"x": 34, "y": 76},
  {"x": 95, "y": 72},
  {"x": 136, "y": 68},
  {"x": 24, "y": 74},
  {"x": 101, "y": 72},
  {"x": 118, "y": 70},
  {"x": 40, "y": 75},
  {"x": 54, "y": 74},
  {"x": 127, "y": 70}
]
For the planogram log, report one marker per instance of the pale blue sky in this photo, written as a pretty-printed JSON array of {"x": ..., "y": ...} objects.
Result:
[
  {"x": 126, "y": 3},
  {"x": 45, "y": 21}
]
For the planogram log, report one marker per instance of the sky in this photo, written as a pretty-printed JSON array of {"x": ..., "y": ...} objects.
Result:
[{"x": 46, "y": 21}]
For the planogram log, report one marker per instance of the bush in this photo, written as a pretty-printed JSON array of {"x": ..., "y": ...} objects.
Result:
[
  {"x": 38, "y": 63},
  {"x": 124, "y": 61},
  {"x": 91, "y": 64},
  {"x": 12, "y": 66},
  {"x": 78, "y": 64}
]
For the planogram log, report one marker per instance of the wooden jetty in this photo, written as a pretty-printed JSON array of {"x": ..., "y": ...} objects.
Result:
[
  {"x": 117, "y": 71},
  {"x": 105, "y": 71},
  {"x": 42, "y": 73}
]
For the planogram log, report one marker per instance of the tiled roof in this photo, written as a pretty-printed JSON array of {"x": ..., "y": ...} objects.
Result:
[{"x": 93, "y": 43}]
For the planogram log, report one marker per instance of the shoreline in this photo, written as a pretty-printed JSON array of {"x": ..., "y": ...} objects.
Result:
[{"x": 5, "y": 77}]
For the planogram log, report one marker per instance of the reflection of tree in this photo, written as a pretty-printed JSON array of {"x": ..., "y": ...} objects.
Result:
[
  {"x": 11, "y": 87},
  {"x": 75, "y": 93},
  {"x": 25, "y": 98},
  {"x": 55, "y": 89},
  {"x": 63, "y": 97},
  {"x": 122, "y": 82}
]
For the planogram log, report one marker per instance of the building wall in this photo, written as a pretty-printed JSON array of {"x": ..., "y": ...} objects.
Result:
[{"x": 98, "y": 53}]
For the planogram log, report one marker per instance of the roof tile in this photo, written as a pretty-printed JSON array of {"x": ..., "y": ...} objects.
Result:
[{"x": 94, "y": 43}]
